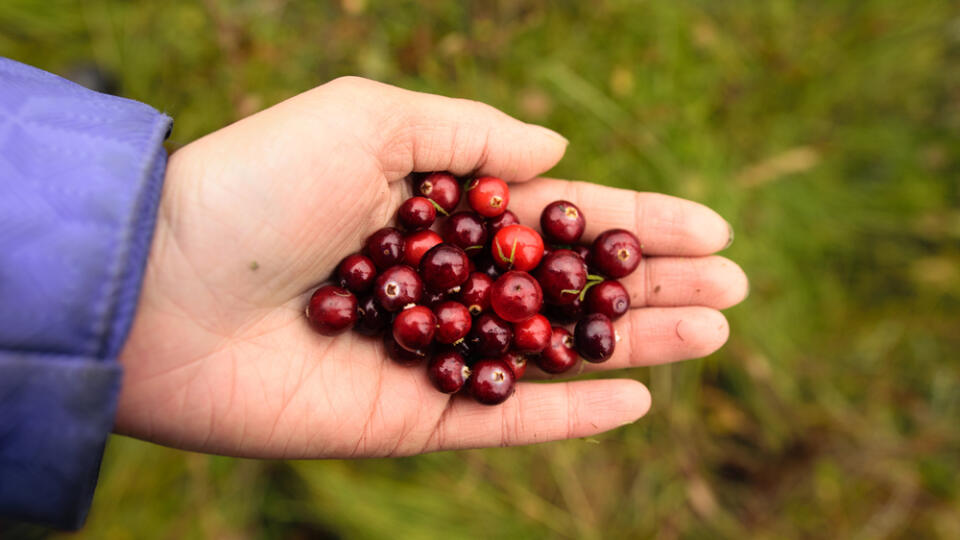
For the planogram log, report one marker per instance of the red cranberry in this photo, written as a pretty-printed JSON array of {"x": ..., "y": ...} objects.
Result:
[
  {"x": 432, "y": 299},
  {"x": 595, "y": 338},
  {"x": 486, "y": 265},
  {"x": 560, "y": 356},
  {"x": 562, "y": 222},
  {"x": 491, "y": 335},
  {"x": 516, "y": 296},
  {"x": 583, "y": 252},
  {"x": 373, "y": 318},
  {"x": 608, "y": 297},
  {"x": 453, "y": 322},
  {"x": 488, "y": 196},
  {"x": 517, "y": 247},
  {"x": 562, "y": 275},
  {"x": 398, "y": 286},
  {"x": 517, "y": 363},
  {"x": 356, "y": 273},
  {"x": 414, "y": 327},
  {"x": 385, "y": 247},
  {"x": 444, "y": 267},
  {"x": 400, "y": 355},
  {"x": 505, "y": 219},
  {"x": 332, "y": 310},
  {"x": 475, "y": 292},
  {"x": 418, "y": 243},
  {"x": 616, "y": 253},
  {"x": 441, "y": 188},
  {"x": 448, "y": 371},
  {"x": 416, "y": 214},
  {"x": 567, "y": 313},
  {"x": 532, "y": 335},
  {"x": 466, "y": 230},
  {"x": 491, "y": 381}
]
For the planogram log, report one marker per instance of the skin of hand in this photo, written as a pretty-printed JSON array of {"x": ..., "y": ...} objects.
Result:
[{"x": 254, "y": 216}]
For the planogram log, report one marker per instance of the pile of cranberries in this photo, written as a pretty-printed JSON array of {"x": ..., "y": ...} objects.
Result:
[{"x": 478, "y": 295}]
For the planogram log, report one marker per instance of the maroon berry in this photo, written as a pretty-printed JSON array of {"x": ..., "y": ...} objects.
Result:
[
  {"x": 505, "y": 219},
  {"x": 608, "y": 297},
  {"x": 373, "y": 318},
  {"x": 491, "y": 335},
  {"x": 491, "y": 381},
  {"x": 432, "y": 299},
  {"x": 532, "y": 335},
  {"x": 583, "y": 252},
  {"x": 616, "y": 253},
  {"x": 332, "y": 310},
  {"x": 453, "y": 322},
  {"x": 400, "y": 355},
  {"x": 516, "y": 296},
  {"x": 517, "y": 363},
  {"x": 488, "y": 196},
  {"x": 562, "y": 275},
  {"x": 414, "y": 327},
  {"x": 567, "y": 313},
  {"x": 486, "y": 265},
  {"x": 475, "y": 292},
  {"x": 517, "y": 247},
  {"x": 385, "y": 247},
  {"x": 595, "y": 338},
  {"x": 466, "y": 230},
  {"x": 562, "y": 222},
  {"x": 448, "y": 371},
  {"x": 418, "y": 243},
  {"x": 416, "y": 214},
  {"x": 444, "y": 267},
  {"x": 560, "y": 356},
  {"x": 441, "y": 188},
  {"x": 357, "y": 273},
  {"x": 398, "y": 286}
]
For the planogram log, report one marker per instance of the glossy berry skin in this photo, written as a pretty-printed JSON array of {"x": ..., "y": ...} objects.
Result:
[
  {"x": 615, "y": 253},
  {"x": 562, "y": 276},
  {"x": 356, "y": 273},
  {"x": 560, "y": 355},
  {"x": 373, "y": 319},
  {"x": 453, "y": 322},
  {"x": 441, "y": 188},
  {"x": 505, "y": 219},
  {"x": 516, "y": 296},
  {"x": 448, "y": 371},
  {"x": 418, "y": 243},
  {"x": 444, "y": 267},
  {"x": 491, "y": 381},
  {"x": 490, "y": 336},
  {"x": 583, "y": 252},
  {"x": 567, "y": 313},
  {"x": 562, "y": 222},
  {"x": 332, "y": 310},
  {"x": 414, "y": 327},
  {"x": 595, "y": 338},
  {"x": 416, "y": 214},
  {"x": 488, "y": 196},
  {"x": 385, "y": 247},
  {"x": 397, "y": 287},
  {"x": 608, "y": 297},
  {"x": 532, "y": 335},
  {"x": 466, "y": 230},
  {"x": 475, "y": 292},
  {"x": 432, "y": 299},
  {"x": 400, "y": 355},
  {"x": 517, "y": 247},
  {"x": 486, "y": 265},
  {"x": 517, "y": 363}
]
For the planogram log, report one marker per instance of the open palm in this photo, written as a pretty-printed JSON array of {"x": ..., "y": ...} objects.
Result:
[{"x": 256, "y": 215}]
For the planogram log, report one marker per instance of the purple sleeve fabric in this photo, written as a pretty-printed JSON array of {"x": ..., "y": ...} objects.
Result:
[{"x": 80, "y": 180}]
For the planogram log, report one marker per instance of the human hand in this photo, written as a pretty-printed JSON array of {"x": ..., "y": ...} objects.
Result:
[{"x": 254, "y": 216}]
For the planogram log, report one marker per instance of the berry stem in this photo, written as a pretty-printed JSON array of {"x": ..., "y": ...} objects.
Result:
[{"x": 438, "y": 207}]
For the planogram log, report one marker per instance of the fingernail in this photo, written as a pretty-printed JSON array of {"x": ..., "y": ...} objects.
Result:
[
  {"x": 730, "y": 237},
  {"x": 553, "y": 134}
]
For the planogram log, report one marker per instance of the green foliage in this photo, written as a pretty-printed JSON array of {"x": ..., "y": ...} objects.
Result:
[{"x": 826, "y": 132}]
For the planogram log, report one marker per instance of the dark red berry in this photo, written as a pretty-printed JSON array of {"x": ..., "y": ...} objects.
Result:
[
  {"x": 562, "y": 222},
  {"x": 491, "y": 381},
  {"x": 441, "y": 188},
  {"x": 453, "y": 322},
  {"x": 567, "y": 313},
  {"x": 475, "y": 292},
  {"x": 517, "y": 363},
  {"x": 373, "y": 318},
  {"x": 397, "y": 287},
  {"x": 486, "y": 265},
  {"x": 418, "y": 243},
  {"x": 562, "y": 276},
  {"x": 560, "y": 355},
  {"x": 608, "y": 297},
  {"x": 517, "y": 247},
  {"x": 400, "y": 355},
  {"x": 432, "y": 299},
  {"x": 516, "y": 296},
  {"x": 416, "y": 214},
  {"x": 491, "y": 335},
  {"x": 488, "y": 196},
  {"x": 448, "y": 371},
  {"x": 466, "y": 347},
  {"x": 444, "y": 267},
  {"x": 357, "y": 272},
  {"x": 414, "y": 327},
  {"x": 505, "y": 219},
  {"x": 466, "y": 230},
  {"x": 532, "y": 335},
  {"x": 595, "y": 338},
  {"x": 385, "y": 247},
  {"x": 583, "y": 252},
  {"x": 332, "y": 310},
  {"x": 615, "y": 253}
]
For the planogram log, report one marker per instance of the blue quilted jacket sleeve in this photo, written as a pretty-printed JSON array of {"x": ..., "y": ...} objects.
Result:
[{"x": 80, "y": 181}]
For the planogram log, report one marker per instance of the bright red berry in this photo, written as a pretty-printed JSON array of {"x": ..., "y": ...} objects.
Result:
[
  {"x": 608, "y": 297},
  {"x": 562, "y": 276},
  {"x": 491, "y": 381},
  {"x": 397, "y": 287},
  {"x": 560, "y": 355},
  {"x": 418, "y": 243},
  {"x": 562, "y": 222},
  {"x": 332, "y": 310},
  {"x": 448, "y": 371},
  {"x": 517, "y": 363},
  {"x": 616, "y": 253},
  {"x": 453, "y": 322},
  {"x": 444, "y": 267},
  {"x": 356, "y": 272},
  {"x": 441, "y": 188},
  {"x": 416, "y": 214},
  {"x": 488, "y": 196},
  {"x": 595, "y": 338},
  {"x": 516, "y": 296},
  {"x": 532, "y": 335},
  {"x": 414, "y": 327},
  {"x": 517, "y": 247}
]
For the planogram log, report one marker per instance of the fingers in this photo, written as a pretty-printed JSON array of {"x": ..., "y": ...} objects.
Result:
[
  {"x": 665, "y": 225},
  {"x": 542, "y": 412},
  {"x": 711, "y": 281}
]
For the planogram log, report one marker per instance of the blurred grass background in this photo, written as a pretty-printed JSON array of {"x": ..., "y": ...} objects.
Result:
[{"x": 826, "y": 132}]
